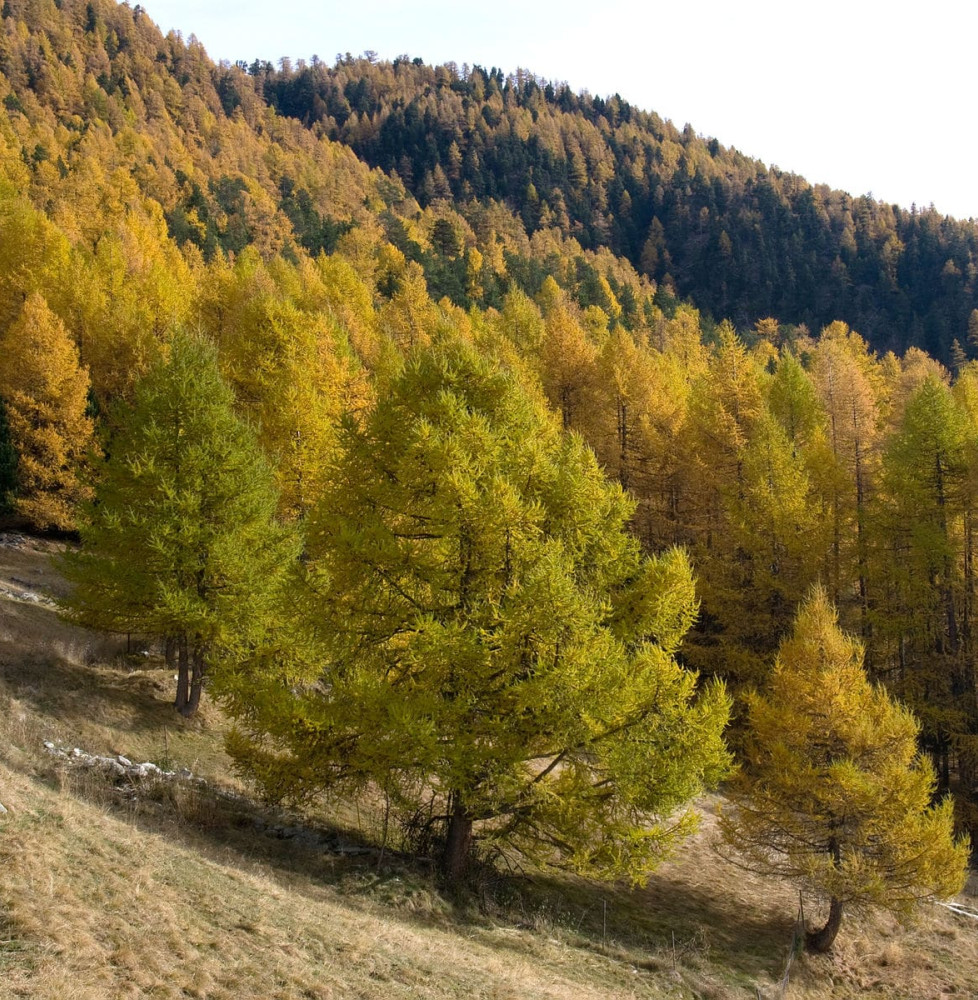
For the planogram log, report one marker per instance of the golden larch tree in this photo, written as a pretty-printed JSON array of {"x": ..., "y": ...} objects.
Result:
[
  {"x": 834, "y": 795},
  {"x": 45, "y": 390}
]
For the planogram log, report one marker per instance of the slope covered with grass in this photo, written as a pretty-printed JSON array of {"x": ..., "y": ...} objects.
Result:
[{"x": 195, "y": 889}]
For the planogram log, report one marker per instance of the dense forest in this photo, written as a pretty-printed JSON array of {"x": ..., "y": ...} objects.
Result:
[
  {"x": 537, "y": 361},
  {"x": 742, "y": 240}
]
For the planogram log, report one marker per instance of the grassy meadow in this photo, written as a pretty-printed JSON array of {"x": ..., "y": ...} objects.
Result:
[{"x": 195, "y": 889}]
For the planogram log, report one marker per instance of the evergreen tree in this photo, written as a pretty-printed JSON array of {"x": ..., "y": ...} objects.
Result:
[
  {"x": 181, "y": 539},
  {"x": 479, "y": 637},
  {"x": 848, "y": 383},
  {"x": 46, "y": 395},
  {"x": 833, "y": 795}
]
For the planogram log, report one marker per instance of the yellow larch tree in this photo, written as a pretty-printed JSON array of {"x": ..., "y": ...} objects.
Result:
[
  {"x": 834, "y": 795},
  {"x": 45, "y": 391}
]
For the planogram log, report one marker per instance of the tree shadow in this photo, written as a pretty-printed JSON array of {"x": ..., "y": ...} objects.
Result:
[{"x": 62, "y": 690}]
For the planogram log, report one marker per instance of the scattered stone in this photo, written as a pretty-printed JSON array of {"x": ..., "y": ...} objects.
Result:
[
  {"x": 15, "y": 589},
  {"x": 118, "y": 766},
  {"x": 344, "y": 847}
]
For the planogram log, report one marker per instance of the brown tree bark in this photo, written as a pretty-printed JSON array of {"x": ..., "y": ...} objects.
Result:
[
  {"x": 183, "y": 675},
  {"x": 458, "y": 843},
  {"x": 196, "y": 681},
  {"x": 821, "y": 941}
]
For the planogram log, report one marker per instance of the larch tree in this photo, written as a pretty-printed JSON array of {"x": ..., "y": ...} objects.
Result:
[
  {"x": 793, "y": 401},
  {"x": 45, "y": 392},
  {"x": 923, "y": 615},
  {"x": 479, "y": 638},
  {"x": 568, "y": 357},
  {"x": 833, "y": 794},
  {"x": 850, "y": 392},
  {"x": 777, "y": 533},
  {"x": 626, "y": 380},
  {"x": 726, "y": 406},
  {"x": 288, "y": 367},
  {"x": 181, "y": 539}
]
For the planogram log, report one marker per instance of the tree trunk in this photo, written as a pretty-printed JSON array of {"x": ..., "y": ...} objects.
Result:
[
  {"x": 196, "y": 682},
  {"x": 458, "y": 843},
  {"x": 821, "y": 940},
  {"x": 183, "y": 675},
  {"x": 623, "y": 444},
  {"x": 170, "y": 652},
  {"x": 861, "y": 547}
]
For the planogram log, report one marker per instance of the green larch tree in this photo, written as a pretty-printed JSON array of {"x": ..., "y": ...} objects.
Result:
[
  {"x": 479, "y": 637},
  {"x": 793, "y": 401},
  {"x": 922, "y": 566},
  {"x": 833, "y": 794},
  {"x": 181, "y": 539}
]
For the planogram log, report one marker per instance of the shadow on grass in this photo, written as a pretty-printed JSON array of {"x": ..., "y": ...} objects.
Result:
[
  {"x": 670, "y": 921},
  {"x": 60, "y": 690},
  {"x": 653, "y": 930}
]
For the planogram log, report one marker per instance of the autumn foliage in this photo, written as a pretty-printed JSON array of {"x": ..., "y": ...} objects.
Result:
[{"x": 442, "y": 487}]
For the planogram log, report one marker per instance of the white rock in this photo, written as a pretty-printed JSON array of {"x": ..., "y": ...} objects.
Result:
[
  {"x": 124, "y": 761},
  {"x": 3, "y": 809},
  {"x": 48, "y": 745}
]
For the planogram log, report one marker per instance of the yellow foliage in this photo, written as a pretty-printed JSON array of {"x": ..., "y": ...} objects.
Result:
[
  {"x": 45, "y": 391},
  {"x": 834, "y": 795}
]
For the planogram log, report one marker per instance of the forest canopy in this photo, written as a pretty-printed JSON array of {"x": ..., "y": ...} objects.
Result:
[{"x": 473, "y": 337}]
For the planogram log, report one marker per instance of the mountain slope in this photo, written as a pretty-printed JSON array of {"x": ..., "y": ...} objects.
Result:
[
  {"x": 742, "y": 240},
  {"x": 147, "y": 890}
]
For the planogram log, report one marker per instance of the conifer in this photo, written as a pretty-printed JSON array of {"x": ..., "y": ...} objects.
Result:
[
  {"x": 45, "y": 391},
  {"x": 834, "y": 795},
  {"x": 479, "y": 638},
  {"x": 181, "y": 540}
]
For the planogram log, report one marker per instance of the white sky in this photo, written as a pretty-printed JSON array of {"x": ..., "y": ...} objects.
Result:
[{"x": 864, "y": 95}]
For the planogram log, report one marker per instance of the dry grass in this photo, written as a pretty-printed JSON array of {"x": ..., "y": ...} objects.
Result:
[{"x": 179, "y": 893}]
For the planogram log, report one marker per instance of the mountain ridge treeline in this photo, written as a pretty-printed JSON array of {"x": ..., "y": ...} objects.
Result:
[{"x": 741, "y": 239}]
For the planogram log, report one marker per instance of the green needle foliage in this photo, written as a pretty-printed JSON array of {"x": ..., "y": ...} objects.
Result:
[
  {"x": 479, "y": 637},
  {"x": 834, "y": 795},
  {"x": 181, "y": 540}
]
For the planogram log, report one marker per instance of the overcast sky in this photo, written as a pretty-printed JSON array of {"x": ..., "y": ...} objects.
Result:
[{"x": 864, "y": 95}]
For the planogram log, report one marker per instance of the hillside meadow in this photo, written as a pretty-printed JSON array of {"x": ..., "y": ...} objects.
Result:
[{"x": 196, "y": 889}]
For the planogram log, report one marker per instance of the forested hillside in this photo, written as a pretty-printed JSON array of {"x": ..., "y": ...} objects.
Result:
[
  {"x": 476, "y": 443},
  {"x": 741, "y": 239}
]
